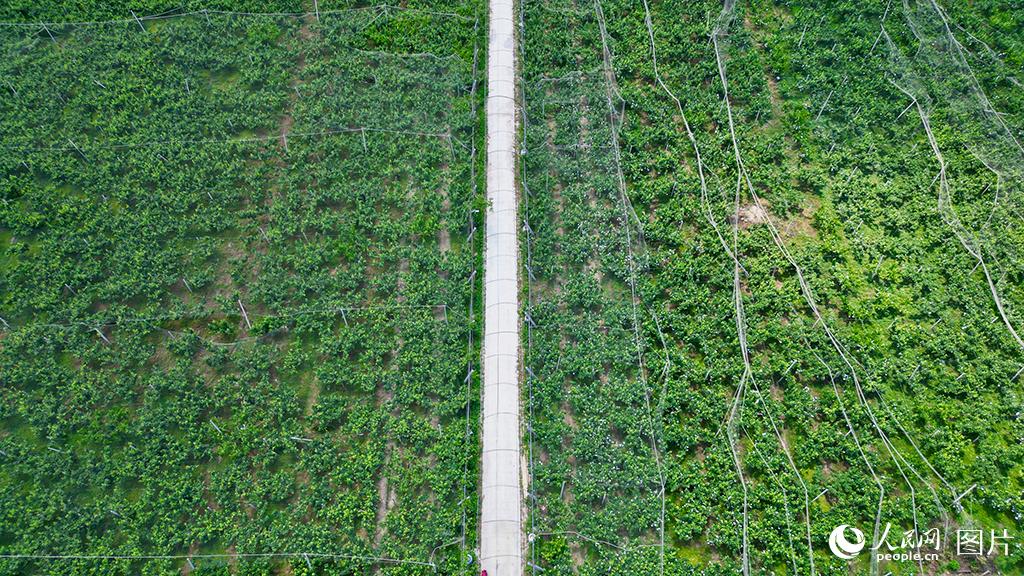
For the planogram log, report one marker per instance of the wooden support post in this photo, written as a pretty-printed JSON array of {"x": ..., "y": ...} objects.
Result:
[
  {"x": 244, "y": 314},
  {"x": 138, "y": 21},
  {"x": 956, "y": 501},
  {"x": 827, "y": 98},
  {"x": 77, "y": 148},
  {"x": 50, "y": 34},
  {"x": 1011, "y": 379}
]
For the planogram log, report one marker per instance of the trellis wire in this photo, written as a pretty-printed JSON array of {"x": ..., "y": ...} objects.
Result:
[
  {"x": 718, "y": 35},
  {"x": 610, "y": 95},
  {"x": 193, "y": 142},
  {"x": 860, "y": 450},
  {"x": 383, "y": 8},
  {"x": 361, "y": 131},
  {"x": 379, "y": 560},
  {"x": 782, "y": 487},
  {"x": 174, "y": 317},
  {"x": 743, "y": 178},
  {"x": 629, "y": 215},
  {"x": 528, "y": 373},
  {"x": 1000, "y": 152},
  {"x": 614, "y": 114},
  {"x": 470, "y": 234}
]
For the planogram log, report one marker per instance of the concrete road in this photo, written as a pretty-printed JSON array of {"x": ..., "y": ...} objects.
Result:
[{"x": 501, "y": 492}]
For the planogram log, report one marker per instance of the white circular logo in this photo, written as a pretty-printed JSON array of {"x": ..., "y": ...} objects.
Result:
[{"x": 842, "y": 547}]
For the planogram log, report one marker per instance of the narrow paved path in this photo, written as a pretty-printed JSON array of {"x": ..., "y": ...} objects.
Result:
[{"x": 501, "y": 493}]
